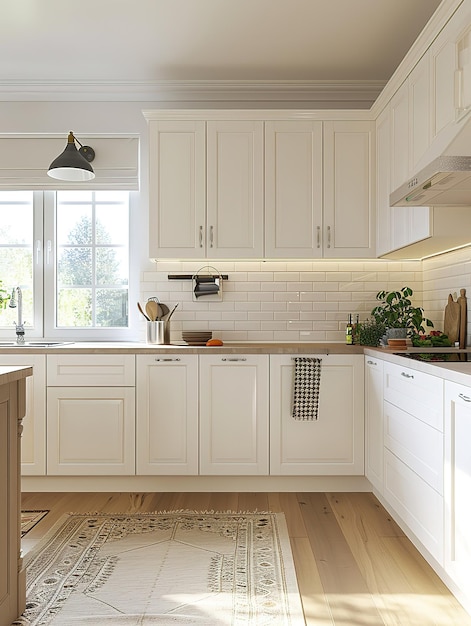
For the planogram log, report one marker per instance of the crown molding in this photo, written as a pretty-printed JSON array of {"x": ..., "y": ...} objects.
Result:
[{"x": 310, "y": 94}]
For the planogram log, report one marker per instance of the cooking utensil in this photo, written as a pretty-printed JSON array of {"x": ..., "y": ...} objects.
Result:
[
  {"x": 451, "y": 322},
  {"x": 161, "y": 308},
  {"x": 142, "y": 311},
  {"x": 463, "y": 317},
  {"x": 167, "y": 316},
  {"x": 152, "y": 310}
]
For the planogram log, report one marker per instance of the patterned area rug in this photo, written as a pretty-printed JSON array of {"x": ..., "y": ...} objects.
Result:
[
  {"x": 212, "y": 569},
  {"x": 30, "y": 519}
]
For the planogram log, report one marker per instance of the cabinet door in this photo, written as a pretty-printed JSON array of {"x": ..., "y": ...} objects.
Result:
[
  {"x": 420, "y": 111},
  {"x": 458, "y": 484},
  {"x": 167, "y": 414},
  {"x": 90, "y": 431},
  {"x": 234, "y": 415},
  {"x": 383, "y": 184},
  {"x": 374, "y": 441},
  {"x": 235, "y": 189},
  {"x": 33, "y": 438},
  {"x": 349, "y": 189},
  {"x": 177, "y": 189},
  {"x": 443, "y": 65},
  {"x": 293, "y": 189},
  {"x": 332, "y": 444}
]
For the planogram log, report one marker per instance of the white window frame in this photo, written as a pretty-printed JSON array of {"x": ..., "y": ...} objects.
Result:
[{"x": 85, "y": 334}]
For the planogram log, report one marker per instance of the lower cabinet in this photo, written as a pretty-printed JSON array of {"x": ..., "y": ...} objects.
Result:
[
  {"x": 413, "y": 453},
  {"x": 458, "y": 485},
  {"x": 333, "y": 443},
  {"x": 234, "y": 414},
  {"x": 167, "y": 414},
  {"x": 374, "y": 440},
  {"x": 90, "y": 425},
  {"x": 90, "y": 431}
]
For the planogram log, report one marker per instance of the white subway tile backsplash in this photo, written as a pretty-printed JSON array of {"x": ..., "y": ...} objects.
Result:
[{"x": 300, "y": 300}]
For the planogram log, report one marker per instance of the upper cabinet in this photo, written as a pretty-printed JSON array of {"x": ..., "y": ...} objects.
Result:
[
  {"x": 293, "y": 189},
  {"x": 224, "y": 185},
  {"x": 349, "y": 207},
  {"x": 206, "y": 189}
]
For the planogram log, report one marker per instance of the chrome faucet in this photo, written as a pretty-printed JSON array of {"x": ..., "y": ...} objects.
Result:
[{"x": 18, "y": 303}]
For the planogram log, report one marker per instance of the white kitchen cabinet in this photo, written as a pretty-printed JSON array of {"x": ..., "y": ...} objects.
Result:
[
  {"x": 294, "y": 189},
  {"x": 374, "y": 439},
  {"x": 383, "y": 183},
  {"x": 234, "y": 426},
  {"x": 413, "y": 455},
  {"x": 234, "y": 222},
  {"x": 334, "y": 443},
  {"x": 90, "y": 414},
  {"x": 177, "y": 188},
  {"x": 420, "y": 111},
  {"x": 458, "y": 485},
  {"x": 206, "y": 189},
  {"x": 167, "y": 414},
  {"x": 349, "y": 189},
  {"x": 33, "y": 438},
  {"x": 90, "y": 431}
]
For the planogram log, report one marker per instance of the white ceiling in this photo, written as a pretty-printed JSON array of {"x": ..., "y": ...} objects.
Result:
[{"x": 206, "y": 40}]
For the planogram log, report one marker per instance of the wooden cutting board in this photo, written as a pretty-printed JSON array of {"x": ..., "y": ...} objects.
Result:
[
  {"x": 462, "y": 300},
  {"x": 451, "y": 323}
]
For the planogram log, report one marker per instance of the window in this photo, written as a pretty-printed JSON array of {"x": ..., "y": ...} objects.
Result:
[{"x": 69, "y": 252}]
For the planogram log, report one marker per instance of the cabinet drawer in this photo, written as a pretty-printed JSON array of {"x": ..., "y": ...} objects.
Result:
[
  {"x": 415, "y": 443},
  {"x": 416, "y": 503},
  {"x": 91, "y": 370},
  {"x": 417, "y": 393}
]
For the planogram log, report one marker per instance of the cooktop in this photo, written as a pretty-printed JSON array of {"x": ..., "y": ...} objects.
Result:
[{"x": 436, "y": 356}]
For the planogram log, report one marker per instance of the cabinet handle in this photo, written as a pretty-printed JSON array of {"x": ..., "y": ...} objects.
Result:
[
  {"x": 211, "y": 236},
  {"x": 201, "y": 236},
  {"x": 371, "y": 363},
  {"x": 166, "y": 360},
  {"x": 463, "y": 397},
  {"x": 234, "y": 359},
  {"x": 407, "y": 375},
  {"x": 318, "y": 236},
  {"x": 328, "y": 236}
]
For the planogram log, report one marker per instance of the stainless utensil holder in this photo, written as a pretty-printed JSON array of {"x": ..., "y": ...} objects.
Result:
[{"x": 158, "y": 332}]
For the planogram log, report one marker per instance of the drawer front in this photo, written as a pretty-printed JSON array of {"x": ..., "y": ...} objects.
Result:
[
  {"x": 91, "y": 370},
  {"x": 415, "y": 443},
  {"x": 416, "y": 503},
  {"x": 417, "y": 393}
]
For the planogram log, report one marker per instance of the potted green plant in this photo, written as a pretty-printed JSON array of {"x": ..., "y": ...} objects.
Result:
[
  {"x": 370, "y": 332},
  {"x": 396, "y": 311}
]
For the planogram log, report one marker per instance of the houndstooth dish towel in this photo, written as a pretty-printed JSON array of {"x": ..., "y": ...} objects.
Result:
[{"x": 307, "y": 382}]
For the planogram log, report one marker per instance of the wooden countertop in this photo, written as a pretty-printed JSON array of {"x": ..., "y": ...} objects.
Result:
[
  {"x": 11, "y": 373},
  {"x": 122, "y": 347}
]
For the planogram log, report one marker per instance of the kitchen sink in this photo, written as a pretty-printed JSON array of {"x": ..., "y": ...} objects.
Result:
[{"x": 33, "y": 344}]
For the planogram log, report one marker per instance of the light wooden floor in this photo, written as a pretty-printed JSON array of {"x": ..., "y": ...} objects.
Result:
[{"x": 354, "y": 564}]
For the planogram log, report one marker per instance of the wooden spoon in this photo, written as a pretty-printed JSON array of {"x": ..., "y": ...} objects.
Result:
[
  {"x": 142, "y": 311},
  {"x": 152, "y": 310}
]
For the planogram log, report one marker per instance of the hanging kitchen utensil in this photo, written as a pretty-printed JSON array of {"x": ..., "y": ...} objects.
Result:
[{"x": 207, "y": 285}]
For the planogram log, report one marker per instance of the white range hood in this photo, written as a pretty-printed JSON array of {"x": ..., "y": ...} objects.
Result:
[{"x": 445, "y": 180}]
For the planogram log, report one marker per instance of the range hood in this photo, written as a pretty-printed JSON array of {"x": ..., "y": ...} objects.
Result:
[{"x": 446, "y": 181}]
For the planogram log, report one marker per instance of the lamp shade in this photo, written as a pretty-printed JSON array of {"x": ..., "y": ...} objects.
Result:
[{"x": 71, "y": 165}]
